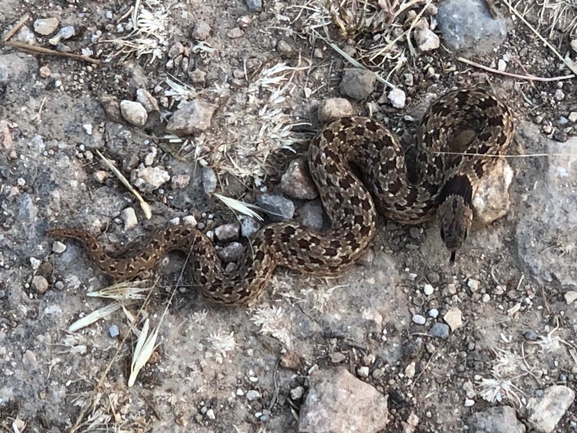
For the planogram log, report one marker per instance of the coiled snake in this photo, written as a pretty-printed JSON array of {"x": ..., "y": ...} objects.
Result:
[{"x": 469, "y": 121}]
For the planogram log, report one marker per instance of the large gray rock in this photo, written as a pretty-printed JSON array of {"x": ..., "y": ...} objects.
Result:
[
  {"x": 546, "y": 411},
  {"x": 468, "y": 26},
  {"x": 545, "y": 231},
  {"x": 338, "y": 402},
  {"x": 501, "y": 419}
]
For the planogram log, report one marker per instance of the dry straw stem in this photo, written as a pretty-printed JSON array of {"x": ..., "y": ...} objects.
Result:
[
  {"x": 567, "y": 61},
  {"x": 509, "y": 74},
  {"x": 240, "y": 206},
  {"x": 143, "y": 204},
  {"x": 97, "y": 391}
]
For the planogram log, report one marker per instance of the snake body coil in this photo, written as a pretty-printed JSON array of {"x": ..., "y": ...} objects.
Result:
[{"x": 470, "y": 121}]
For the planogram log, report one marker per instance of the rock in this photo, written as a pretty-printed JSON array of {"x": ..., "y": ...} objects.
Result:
[
  {"x": 201, "y": 31},
  {"x": 26, "y": 36},
  {"x": 45, "y": 26},
  {"x": 58, "y": 247},
  {"x": 148, "y": 179},
  {"x": 453, "y": 318},
  {"x": 297, "y": 182},
  {"x": 197, "y": 76},
  {"x": 500, "y": 419},
  {"x": 337, "y": 357},
  {"x": 111, "y": 106},
  {"x": 549, "y": 254},
  {"x": 235, "y": 33},
  {"x": 277, "y": 207},
  {"x": 469, "y": 28},
  {"x": 428, "y": 290},
  {"x": 546, "y": 411},
  {"x": 339, "y": 402},
  {"x": 129, "y": 218},
  {"x": 232, "y": 252},
  {"x": 573, "y": 116},
  {"x": 311, "y": 215},
  {"x": 40, "y": 283},
  {"x": 284, "y": 47},
  {"x": 252, "y": 395},
  {"x": 249, "y": 226},
  {"x": 189, "y": 220},
  {"x": 397, "y": 98},
  {"x": 419, "y": 320},
  {"x": 180, "y": 181},
  {"x": 439, "y": 330},
  {"x": 491, "y": 200},
  {"x": 191, "y": 118},
  {"x": 425, "y": 38},
  {"x": 297, "y": 393},
  {"x": 291, "y": 360},
  {"x": 113, "y": 331},
  {"x": 209, "y": 180},
  {"x": 227, "y": 232},
  {"x": 148, "y": 101},
  {"x": 254, "y": 5},
  {"x": 357, "y": 84},
  {"x": 335, "y": 108},
  {"x": 133, "y": 112},
  {"x": 570, "y": 297}
]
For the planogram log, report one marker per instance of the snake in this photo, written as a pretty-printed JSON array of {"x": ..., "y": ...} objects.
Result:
[{"x": 359, "y": 169}]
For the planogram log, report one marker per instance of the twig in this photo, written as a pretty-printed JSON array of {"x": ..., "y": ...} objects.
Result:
[
  {"x": 16, "y": 27},
  {"x": 49, "y": 52},
  {"x": 510, "y": 74},
  {"x": 569, "y": 64},
  {"x": 531, "y": 155}
]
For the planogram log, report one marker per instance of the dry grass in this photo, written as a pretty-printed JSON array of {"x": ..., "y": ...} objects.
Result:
[{"x": 558, "y": 15}]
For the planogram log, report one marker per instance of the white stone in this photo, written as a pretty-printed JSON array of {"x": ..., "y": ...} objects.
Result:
[
  {"x": 397, "y": 98},
  {"x": 453, "y": 318},
  {"x": 546, "y": 411},
  {"x": 129, "y": 218},
  {"x": 133, "y": 112}
]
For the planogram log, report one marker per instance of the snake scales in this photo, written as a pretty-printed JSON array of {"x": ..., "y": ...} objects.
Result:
[{"x": 466, "y": 120}]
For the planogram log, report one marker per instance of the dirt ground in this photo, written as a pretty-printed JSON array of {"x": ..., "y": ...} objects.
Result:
[{"x": 512, "y": 283}]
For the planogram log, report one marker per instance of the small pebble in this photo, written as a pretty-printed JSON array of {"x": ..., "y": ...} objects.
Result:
[
  {"x": 357, "y": 84},
  {"x": 337, "y": 357},
  {"x": 113, "y": 331},
  {"x": 209, "y": 180},
  {"x": 149, "y": 179},
  {"x": 133, "y": 112},
  {"x": 45, "y": 26},
  {"x": 335, "y": 108},
  {"x": 254, "y": 5},
  {"x": 40, "y": 283},
  {"x": 439, "y": 330},
  {"x": 129, "y": 218},
  {"x": 210, "y": 414},
  {"x": 363, "y": 371},
  {"x": 58, "y": 247},
  {"x": 227, "y": 232},
  {"x": 180, "y": 181},
  {"x": 232, "y": 252},
  {"x": 249, "y": 227},
  {"x": 473, "y": 284},
  {"x": 434, "y": 313},
  {"x": 252, "y": 395},
  {"x": 297, "y": 392},
  {"x": 189, "y": 220},
  {"x": 453, "y": 318},
  {"x": 469, "y": 402},
  {"x": 277, "y": 207},
  {"x": 530, "y": 336},
  {"x": 570, "y": 297},
  {"x": 573, "y": 116},
  {"x": 428, "y": 289},
  {"x": 419, "y": 320},
  {"x": 201, "y": 31},
  {"x": 235, "y": 33},
  {"x": 397, "y": 97},
  {"x": 559, "y": 95}
]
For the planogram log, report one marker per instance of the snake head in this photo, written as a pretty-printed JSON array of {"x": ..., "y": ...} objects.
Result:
[{"x": 454, "y": 217}]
